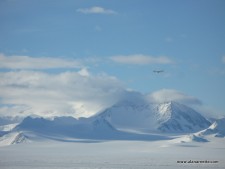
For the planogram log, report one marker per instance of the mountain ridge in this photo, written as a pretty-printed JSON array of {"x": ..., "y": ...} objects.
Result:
[{"x": 122, "y": 121}]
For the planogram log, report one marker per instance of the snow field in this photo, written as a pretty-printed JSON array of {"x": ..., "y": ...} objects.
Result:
[{"x": 111, "y": 155}]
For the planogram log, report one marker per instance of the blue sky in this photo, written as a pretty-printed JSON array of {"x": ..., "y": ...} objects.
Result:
[{"x": 125, "y": 40}]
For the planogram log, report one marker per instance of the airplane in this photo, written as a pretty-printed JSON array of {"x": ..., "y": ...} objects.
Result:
[{"x": 158, "y": 71}]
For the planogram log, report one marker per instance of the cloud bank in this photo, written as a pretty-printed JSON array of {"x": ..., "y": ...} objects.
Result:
[
  {"x": 71, "y": 93},
  {"x": 141, "y": 59},
  {"x": 26, "y": 89},
  {"x": 27, "y": 62}
]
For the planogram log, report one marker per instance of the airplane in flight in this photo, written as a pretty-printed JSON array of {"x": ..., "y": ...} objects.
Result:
[{"x": 158, "y": 71}]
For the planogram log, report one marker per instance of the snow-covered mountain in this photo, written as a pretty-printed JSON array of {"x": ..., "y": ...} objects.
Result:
[
  {"x": 217, "y": 129},
  {"x": 67, "y": 129},
  {"x": 85, "y": 128},
  {"x": 176, "y": 117},
  {"x": 13, "y": 138},
  {"x": 132, "y": 118},
  {"x": 8, "y": 136},
  {"x": 65, "y": 126},
  {"x": 170, "y": 117}
]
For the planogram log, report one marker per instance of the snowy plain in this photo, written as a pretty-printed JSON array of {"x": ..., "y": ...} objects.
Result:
[{"x": 91, "y": 154}]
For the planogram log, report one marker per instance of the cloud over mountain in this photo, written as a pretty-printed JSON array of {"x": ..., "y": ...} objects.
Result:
[
  {"x": 67, "y": 92},
  {"x": 167, "y": 95}
]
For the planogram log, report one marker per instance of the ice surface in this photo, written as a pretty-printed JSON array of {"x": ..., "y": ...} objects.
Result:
[{"x": 112, "y": 155}]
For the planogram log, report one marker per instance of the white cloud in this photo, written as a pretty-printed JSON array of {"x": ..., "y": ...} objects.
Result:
[
  {"x": 167, "y": 95},
  {"x": 141, "y": 59},
  {"x": 96, "y": 10},
  {"x": 27, "y": 62},
  {"x": 84, "y": 72},
  {"x": 223, "y": 59},
  {"x": 67, "y": 93}
]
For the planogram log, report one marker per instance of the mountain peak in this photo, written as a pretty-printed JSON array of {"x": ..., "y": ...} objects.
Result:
[
  {"x": 164, "y": 117},
  {"x": 176, "y": 117},
  {"x": 174, "y": 106}
]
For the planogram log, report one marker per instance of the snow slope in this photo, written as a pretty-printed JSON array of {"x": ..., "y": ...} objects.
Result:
[
  {"x": 64, "y": 126},
  {"x": 13, "y": 138},
  {"x": 217, "y": 129},
  {"x": 8, "y": 127},
  {"x": 135, "y": 116},
  {"x": 188, "y": 139}
]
